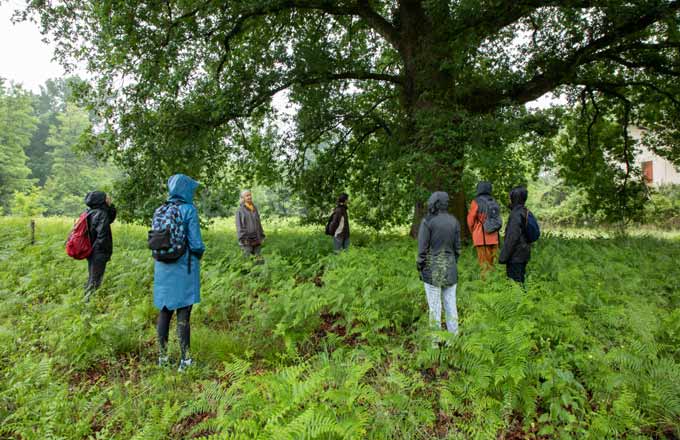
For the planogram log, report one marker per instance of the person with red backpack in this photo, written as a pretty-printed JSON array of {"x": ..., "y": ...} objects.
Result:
[
  {"x": 176, "y": 245},
  {"x": 100, "y": 214},
  {"x": 484, "y": 222}
]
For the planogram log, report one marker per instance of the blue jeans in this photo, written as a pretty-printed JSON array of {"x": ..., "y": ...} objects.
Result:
[
  {"x": 434, "y": 301},
  {"x": 339, "y": 244}
]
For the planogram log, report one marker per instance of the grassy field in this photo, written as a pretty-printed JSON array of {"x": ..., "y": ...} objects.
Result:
[{"x": 311, "y": 345}]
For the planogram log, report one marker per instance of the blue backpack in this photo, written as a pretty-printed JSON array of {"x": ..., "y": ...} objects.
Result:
[
  {"x": 533, "y": 232},
  {"x": 168, "y": 237}
]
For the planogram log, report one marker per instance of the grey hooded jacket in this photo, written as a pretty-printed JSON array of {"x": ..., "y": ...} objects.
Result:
[
  {"x": 439, "y": 243},
  {"x": 248, "y": 226}
]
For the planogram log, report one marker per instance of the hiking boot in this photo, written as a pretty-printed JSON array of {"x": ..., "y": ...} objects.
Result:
[
  {"x": 184, "y": 365},
  {"x": 163, "y": 361}
]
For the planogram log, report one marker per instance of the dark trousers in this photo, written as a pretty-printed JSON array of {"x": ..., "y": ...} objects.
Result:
[
  {"x": 340, "y": 244},
  {"x": 251, "y": 250},
  {"x": 516, "y": 271},
  {"x": 96, "y": 265},
  {"x": 183, "y": 329}
]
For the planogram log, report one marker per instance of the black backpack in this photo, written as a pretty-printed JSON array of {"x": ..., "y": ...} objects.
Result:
[{"x": 493, "y": 221}]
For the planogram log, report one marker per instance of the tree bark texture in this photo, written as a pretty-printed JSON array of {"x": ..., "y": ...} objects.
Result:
[{"x": 427, "y": 97}]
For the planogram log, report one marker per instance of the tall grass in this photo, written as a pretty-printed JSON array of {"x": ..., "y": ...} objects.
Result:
[{"x": 322, "y": 346}]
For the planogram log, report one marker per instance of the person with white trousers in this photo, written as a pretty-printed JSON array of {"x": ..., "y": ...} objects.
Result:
[{"x": 438, "y": 252}]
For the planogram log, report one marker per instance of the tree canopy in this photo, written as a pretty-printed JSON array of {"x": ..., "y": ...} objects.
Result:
[{"x": 390, "y": 99}]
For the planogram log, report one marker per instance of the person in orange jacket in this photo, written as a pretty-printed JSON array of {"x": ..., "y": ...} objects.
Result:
[{"x": 484, "y": 222}]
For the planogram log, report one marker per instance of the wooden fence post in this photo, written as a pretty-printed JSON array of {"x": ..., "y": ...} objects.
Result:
[{"x": 32, "y": 232}]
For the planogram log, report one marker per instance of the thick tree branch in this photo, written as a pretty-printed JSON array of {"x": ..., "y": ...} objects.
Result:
[
  {"x": 361, "y": 9},
  {"x": 378, "y": 23},
  {"x": 563, "y": 71},
  {"x": 651, "y": 66},
  {"x": 613, "y": 87},
  {"x": 304, "y": 79},
  {"x": 489, "y": 21}
]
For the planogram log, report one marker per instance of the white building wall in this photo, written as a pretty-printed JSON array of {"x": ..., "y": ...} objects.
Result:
[{"x": 663, "y": 171}]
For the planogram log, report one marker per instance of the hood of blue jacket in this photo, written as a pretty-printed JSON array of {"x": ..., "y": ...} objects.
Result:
[{"x": 182, "y": 187}]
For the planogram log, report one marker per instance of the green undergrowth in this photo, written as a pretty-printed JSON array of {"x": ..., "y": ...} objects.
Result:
[{"x": 312, "y": 345}]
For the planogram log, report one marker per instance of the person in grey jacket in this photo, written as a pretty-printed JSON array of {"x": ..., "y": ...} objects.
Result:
[
  {"x": 438, "y": 252},
  {"x": 248, "y": 226}
]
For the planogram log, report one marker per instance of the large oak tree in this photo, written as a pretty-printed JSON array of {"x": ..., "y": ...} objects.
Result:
[{"x": 392, "y": 99}]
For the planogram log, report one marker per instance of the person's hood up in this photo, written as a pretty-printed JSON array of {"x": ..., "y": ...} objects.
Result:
[
  {"x": 182, "y": 187},
  {"x": 95, "y": 199},
  {"x": 438, "y": 201},
  {"x": 484, "y": 188},
  {"x": 518, "y": 196}
]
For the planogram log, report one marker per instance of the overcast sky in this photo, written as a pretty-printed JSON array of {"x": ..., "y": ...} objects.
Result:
[{"x": 24, "y": 58}]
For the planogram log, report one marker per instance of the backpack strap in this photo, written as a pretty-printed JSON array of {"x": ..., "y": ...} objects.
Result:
[{"x": 179, "y": 203}]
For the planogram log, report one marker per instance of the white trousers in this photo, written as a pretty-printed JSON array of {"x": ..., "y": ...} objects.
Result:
[{"x": 434, "y": 301}]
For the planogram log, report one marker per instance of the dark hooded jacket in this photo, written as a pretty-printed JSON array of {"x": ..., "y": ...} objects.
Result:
[
  {"x": 99, "y": 219},
  {"x": 340, "y": 212},
  {"x": 438, "y": 243},
  {"x": 516, "y": 249}
]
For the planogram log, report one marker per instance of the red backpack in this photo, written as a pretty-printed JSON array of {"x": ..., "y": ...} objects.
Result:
[{"x": 78, "y": 243}]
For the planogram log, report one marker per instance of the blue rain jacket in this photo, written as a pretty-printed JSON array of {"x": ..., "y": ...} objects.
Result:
[{"x": 173, "y": 285}]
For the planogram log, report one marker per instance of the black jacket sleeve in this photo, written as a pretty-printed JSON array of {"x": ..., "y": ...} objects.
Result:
[
  {"x": 335, "y": 220},
  {"x": 112, "y": 213},
  {"x": 513, "y": 236},
  {"x": 100, "y": 227}
]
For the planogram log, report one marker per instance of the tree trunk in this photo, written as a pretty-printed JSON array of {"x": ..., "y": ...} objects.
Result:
[
  {"x": 457, "y": 207},
  {"x": 431, "y": 111}
]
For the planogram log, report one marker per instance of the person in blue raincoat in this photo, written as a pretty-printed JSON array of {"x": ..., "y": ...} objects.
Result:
[{"x": 177, "y": 285}]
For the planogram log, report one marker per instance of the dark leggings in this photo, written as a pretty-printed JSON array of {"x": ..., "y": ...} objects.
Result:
[
  {"x": 516, "y": 271},
  {"x": 96, "y": 265},
  {"x": 183, "y": 329}
]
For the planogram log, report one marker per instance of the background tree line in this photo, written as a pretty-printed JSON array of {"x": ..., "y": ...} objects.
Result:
[
  {"x": 42, "y": 169},
  {"x": 48, "y": 162}
]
